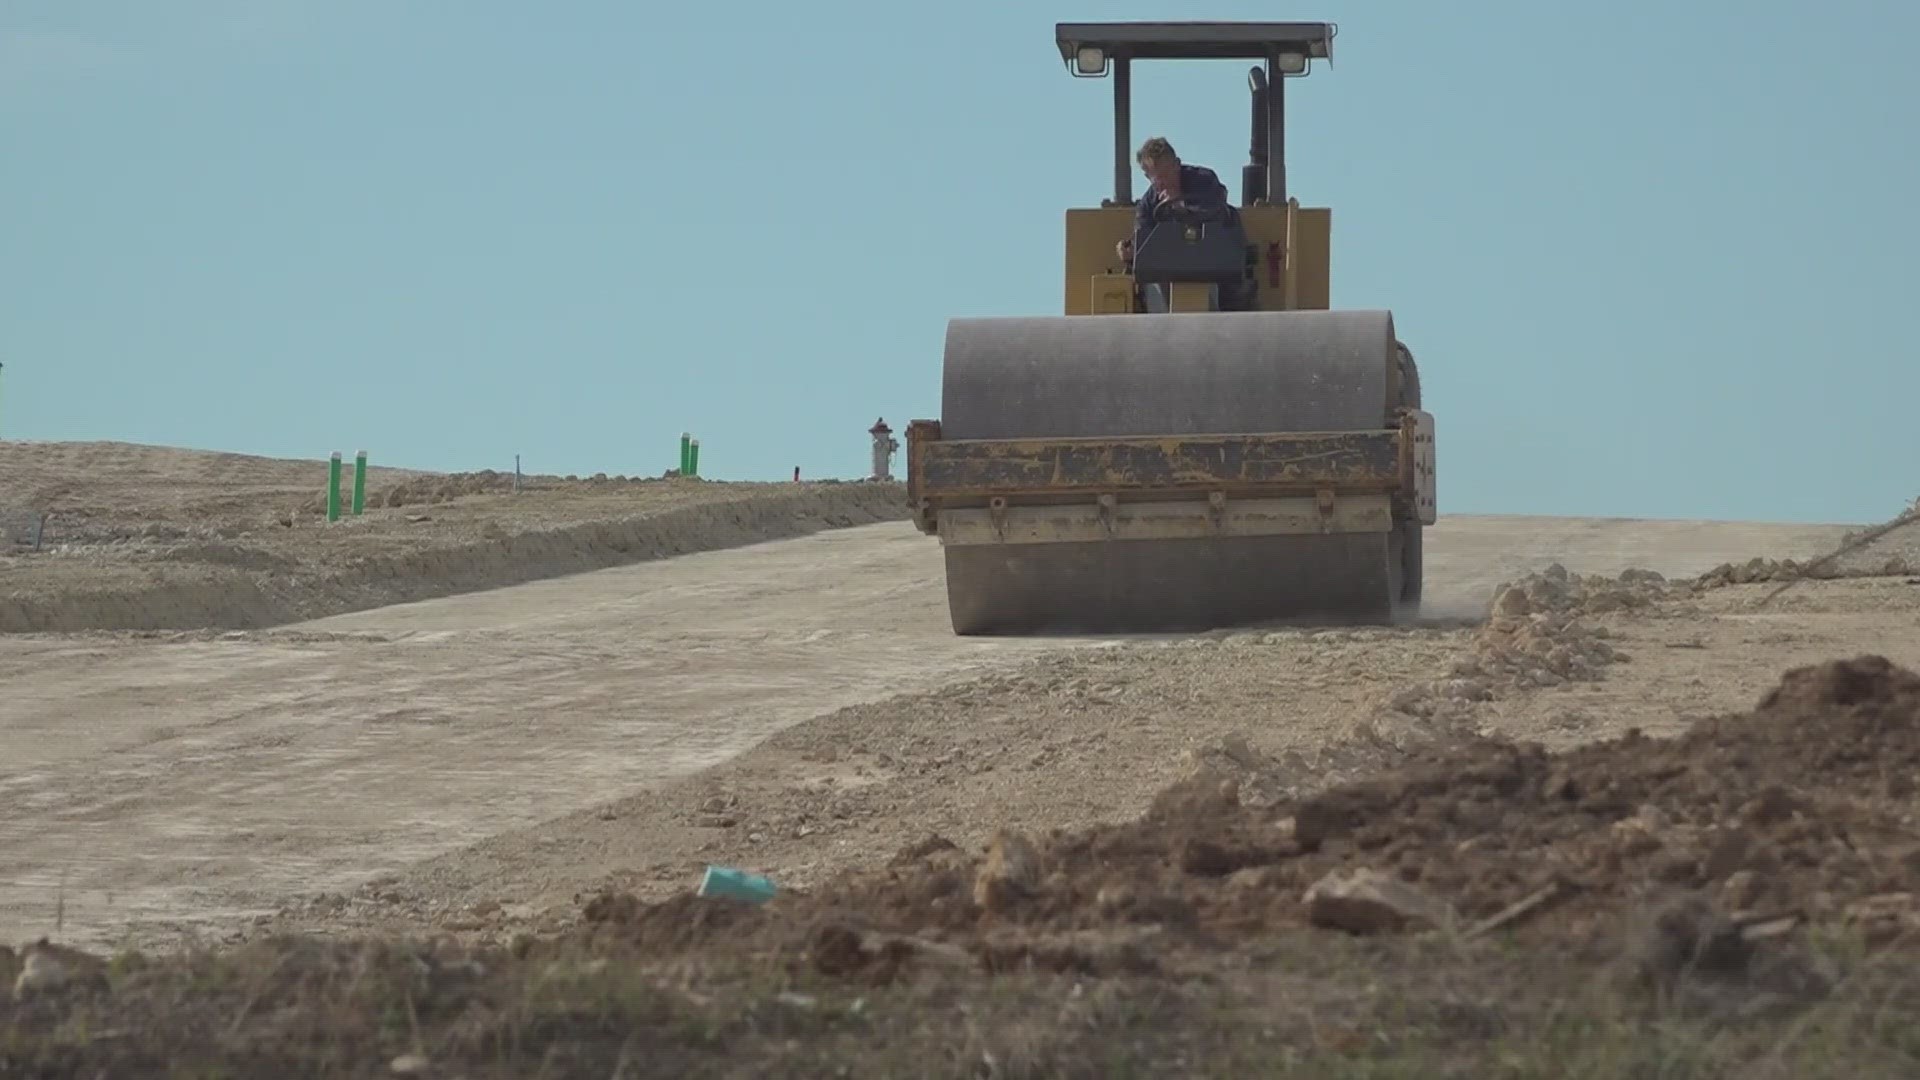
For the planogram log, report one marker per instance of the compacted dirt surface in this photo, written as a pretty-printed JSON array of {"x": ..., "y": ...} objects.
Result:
[{"x": 1626, "y": 798}]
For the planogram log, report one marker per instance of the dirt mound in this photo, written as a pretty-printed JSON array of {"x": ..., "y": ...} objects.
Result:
[
  {"x": 1537, "y": 634},
  {"x": 184, "y": 580},
  {"x": 422, "y": 490},
  {"x": 1802, "y": 805},
  {"x": 111, "y": 536},
  {"x": 1762, "y": 570},
  {"x": 436, "y": 489},
  {"x": 1889, "y": 549}
]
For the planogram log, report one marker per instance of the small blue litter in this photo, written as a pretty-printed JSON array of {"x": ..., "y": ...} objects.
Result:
[{"x": 726, "y": 881}]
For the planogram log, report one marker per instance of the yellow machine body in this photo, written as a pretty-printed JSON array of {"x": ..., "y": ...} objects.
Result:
[{"x": 1289, "y": 247}]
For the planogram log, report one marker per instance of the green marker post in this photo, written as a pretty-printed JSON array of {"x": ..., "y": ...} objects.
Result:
[
  {"x": 333, "y": 487},
  {"x": 359, "y": 482},
  {"x": 686, "y": 453},
  {"x": 693, "y": 462}
]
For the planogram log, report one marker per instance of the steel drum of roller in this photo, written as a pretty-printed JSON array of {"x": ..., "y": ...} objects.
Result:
[{"x": 1170, "y": 375}]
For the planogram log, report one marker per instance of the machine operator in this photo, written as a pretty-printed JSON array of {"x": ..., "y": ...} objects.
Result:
[{"x": 1168, "y": 180}]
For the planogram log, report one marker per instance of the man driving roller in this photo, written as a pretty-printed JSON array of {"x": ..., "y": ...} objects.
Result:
[{"x": 1169, "y": 180}]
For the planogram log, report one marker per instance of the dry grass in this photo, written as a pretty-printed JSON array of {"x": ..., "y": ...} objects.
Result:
[{"x": 1816, "y": 1004}]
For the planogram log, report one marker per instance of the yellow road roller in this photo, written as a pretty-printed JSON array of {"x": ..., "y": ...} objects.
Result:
[{"x": 1197, "y": 441}]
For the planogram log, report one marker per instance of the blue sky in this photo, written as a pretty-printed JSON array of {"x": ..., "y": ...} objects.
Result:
[{"x": 1654, "y": 258}]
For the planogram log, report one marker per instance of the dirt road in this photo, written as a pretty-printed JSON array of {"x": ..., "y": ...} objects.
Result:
[{"x": 190, "y": 781}]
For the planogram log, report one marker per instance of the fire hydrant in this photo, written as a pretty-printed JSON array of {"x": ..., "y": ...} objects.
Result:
[{"x": 884, "y": 444}]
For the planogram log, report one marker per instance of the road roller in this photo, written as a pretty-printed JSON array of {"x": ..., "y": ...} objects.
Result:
[{"x": 1198, "y": 441}]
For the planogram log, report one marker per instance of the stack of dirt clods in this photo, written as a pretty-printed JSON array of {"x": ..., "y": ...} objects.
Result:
[{"x": 1802, "y": 809}]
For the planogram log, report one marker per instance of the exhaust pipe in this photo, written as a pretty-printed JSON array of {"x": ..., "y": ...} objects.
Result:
[{"x": 1253, "y": 175}]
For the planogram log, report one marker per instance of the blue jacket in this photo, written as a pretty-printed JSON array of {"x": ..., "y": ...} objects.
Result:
[{"x": 1198, "y": 185}]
